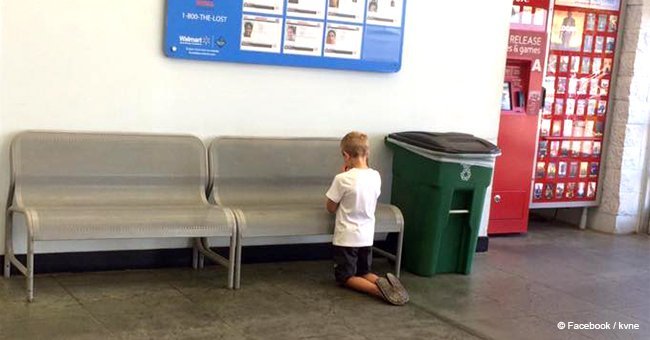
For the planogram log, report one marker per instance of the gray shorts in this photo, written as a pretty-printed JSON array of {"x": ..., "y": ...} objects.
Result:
[{"x": 351, "y": 261}]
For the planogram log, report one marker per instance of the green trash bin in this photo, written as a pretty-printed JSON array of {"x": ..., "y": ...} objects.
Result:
[{"x": 439, "y": 184}]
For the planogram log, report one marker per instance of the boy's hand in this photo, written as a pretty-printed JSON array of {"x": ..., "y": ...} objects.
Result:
[
  {"x": 331, "y": 206},
  {"x": 345, "y": 168}
]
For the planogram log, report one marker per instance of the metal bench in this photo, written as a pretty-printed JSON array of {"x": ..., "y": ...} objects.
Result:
[
  {"x": 90, "y": 186},
  {"x": 276, "y": 187}
]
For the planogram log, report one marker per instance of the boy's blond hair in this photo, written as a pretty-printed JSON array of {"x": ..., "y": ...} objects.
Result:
[{"x": 355, "y": 144}]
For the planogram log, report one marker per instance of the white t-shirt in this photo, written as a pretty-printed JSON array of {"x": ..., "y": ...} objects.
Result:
[{"x": 356, "y": 191}]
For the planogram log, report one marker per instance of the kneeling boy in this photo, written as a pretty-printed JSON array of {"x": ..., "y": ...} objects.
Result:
[{"x": 353, "y": 197}]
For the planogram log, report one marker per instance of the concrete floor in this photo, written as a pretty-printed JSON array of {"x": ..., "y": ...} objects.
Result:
[{"x": 520, "y": 289}]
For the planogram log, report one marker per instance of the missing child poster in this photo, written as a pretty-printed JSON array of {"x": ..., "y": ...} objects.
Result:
[
  {"x": 303, "y": 37},
  {"x": 365, "y": 35},
  {"x": 306, "y": 9},
  {"x": 343, "y": 41},
  {"x": 385, "y": 12},
  {"x": 346, "y": 10},
  {"x": 261, "y": 34},
  {"x": 264, "y": 6}
]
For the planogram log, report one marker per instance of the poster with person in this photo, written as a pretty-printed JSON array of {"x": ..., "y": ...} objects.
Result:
[
  {"x": 385, "y": 12},
  {"x": 343, "y": 41},
  {"x": 275, "y": 7},
  {"x": 311, "y": 9},
  {"x": 346, "y": 10},
  {"x": 303, "y": 37},
  {"x": 261, "y": 34},
  {"x": 567, "y": 30}
]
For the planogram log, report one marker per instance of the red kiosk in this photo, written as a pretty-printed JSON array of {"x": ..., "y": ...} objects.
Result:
[
  {"x": 521, "y": 103},
  {"x": 552, "y": 136}
]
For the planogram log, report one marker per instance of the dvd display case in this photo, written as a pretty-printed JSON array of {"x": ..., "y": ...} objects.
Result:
[{"x": 583, "y": 42}]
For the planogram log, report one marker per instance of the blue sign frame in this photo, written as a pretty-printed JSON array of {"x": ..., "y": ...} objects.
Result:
[{"x": 336, "y": 34}]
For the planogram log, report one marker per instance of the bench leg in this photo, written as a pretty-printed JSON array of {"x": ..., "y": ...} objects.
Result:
[
  {"x": 9, "y": 246},
  {"x": 10, "y": 257},
  {"x": 397, "y": 257},
  {"x": 398, "y": 254},
  {"x": 201, "y": 261},
  {"x": 198, "y": 257},
  {"x": 204, "y": 249},
  {"x": 231, "y": 260},
  {"x": 238, "y": 262},
  {"x": 7, "y": 265},
  {"x": 30, "y": 268},
  {"x": 195, "y": 256}
]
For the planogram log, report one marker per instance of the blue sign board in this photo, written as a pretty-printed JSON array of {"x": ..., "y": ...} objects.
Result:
[{"x": 364, "y": 35}]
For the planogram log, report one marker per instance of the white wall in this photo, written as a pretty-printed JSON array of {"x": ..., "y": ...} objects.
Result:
[{"x": 98, "y": 65}]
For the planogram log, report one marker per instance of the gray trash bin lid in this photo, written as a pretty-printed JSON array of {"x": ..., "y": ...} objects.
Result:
[
  {"x": 448, "y": 142},
  {"x": 451, "y": 147}
]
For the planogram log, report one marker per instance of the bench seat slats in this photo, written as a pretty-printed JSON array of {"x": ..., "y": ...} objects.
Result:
[
  {"x": 88, "y": 223},
  {"x": 302, "y": 220}
]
